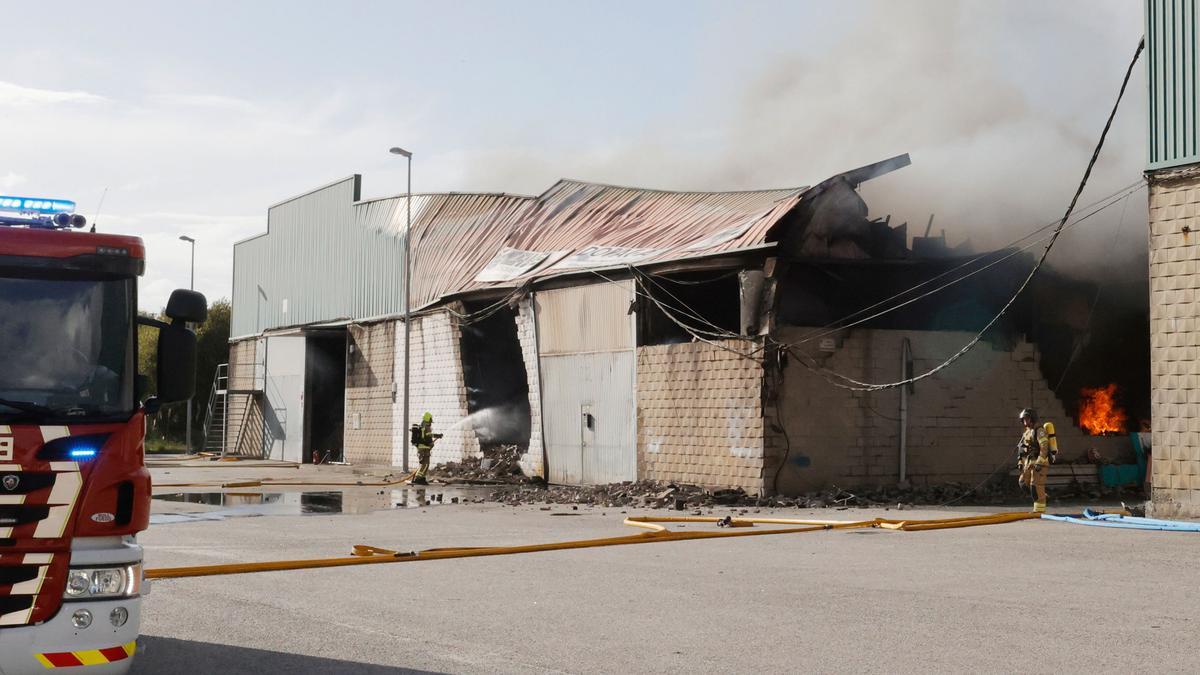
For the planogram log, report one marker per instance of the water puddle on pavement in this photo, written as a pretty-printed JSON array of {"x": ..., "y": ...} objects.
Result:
[{"x": 332, "y": 502}]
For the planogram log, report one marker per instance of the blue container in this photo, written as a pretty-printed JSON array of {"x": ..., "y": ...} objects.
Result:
[{"x": 1117, "y": 475}]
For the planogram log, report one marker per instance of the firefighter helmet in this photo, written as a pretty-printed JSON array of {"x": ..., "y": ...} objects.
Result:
[
  {"x": 1027, "y": 412},
  {"x": 427, "y": 418}
]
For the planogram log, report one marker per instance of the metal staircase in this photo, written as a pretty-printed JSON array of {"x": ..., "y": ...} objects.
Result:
[{"x": 216, "y": 418}]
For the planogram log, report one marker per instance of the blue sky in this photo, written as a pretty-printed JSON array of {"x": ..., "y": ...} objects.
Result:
[{"x": 197, "y": 116}]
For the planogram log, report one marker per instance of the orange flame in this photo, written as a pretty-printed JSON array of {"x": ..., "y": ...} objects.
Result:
[{"x": 1098, "y": 411}]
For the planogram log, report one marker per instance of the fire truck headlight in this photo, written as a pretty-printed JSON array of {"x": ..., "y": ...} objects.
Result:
[
  {"x": 81, "y": 619},
  {"x": 78, "y": 583},
  {"x": 95, "y": 583},
  {"x": 108, "y": 582}
]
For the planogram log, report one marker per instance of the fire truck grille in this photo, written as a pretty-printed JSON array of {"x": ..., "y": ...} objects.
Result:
[
  {"x": 11, "y": 576},
  {"x": 24, "y": 482},
  {"x": 31, "y": 586},
  {"x": 35, "y": 511},
  {"x": 36, "y": 505},
  {"x": 15, "y": 603},
  {"x": 13, "y": 516}
]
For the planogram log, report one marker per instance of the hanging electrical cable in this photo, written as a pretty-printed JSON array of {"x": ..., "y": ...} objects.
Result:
[
  {"x": 687, "y": 309},
  {"x": 707, "y": 337},
  {"x": 847, "y": 382},
  {"x": 837, "y": 324},
  {"x": 697, "y": 282},
  {"x": 831, "y": 328},
  {"x": 1087, "y": 325},
  {"x": 487, "y": 312},
  {"x": 680, "y": 316}
]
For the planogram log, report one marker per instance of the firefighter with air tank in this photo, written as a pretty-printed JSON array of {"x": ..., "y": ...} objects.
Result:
[
  {"x": 1035, "y": 453},
  {"x": 423, "y": 438}
]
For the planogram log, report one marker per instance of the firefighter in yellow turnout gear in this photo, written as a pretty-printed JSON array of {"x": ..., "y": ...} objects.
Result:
[
  {"x": 1035, "y": 452},
  {"x": 424, "y": 438}
]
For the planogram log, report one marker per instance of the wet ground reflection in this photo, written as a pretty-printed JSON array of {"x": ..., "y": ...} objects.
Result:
[{"x": 325, "y": 502}]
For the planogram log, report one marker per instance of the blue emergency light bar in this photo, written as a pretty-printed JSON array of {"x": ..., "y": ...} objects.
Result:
[
  {"x": 36, "y": 212},
  {"x": 36, "y": 205}
]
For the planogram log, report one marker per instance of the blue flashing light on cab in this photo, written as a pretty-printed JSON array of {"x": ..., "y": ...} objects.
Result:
[
  {"x": 73, "y": 448},
  {"x": 39, "y": 212},
  {"x": 36, "y": 205}
]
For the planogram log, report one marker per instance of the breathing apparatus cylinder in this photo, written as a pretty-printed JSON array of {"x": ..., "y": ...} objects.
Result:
[{"x": 1051, "y": 440}]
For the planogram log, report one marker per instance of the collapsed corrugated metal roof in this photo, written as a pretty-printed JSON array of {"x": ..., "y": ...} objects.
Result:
[
  {"x": 328, "y": 256},
  {"x": 576, "y": 225}
]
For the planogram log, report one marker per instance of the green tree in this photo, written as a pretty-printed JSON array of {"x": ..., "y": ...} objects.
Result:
[
  {"x": 147, "y": 353},
  {"x": 212, "y": 349}
]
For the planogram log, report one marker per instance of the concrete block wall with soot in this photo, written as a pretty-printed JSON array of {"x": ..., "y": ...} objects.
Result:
[
  {"x": 700, "y": 417},
  {"x": 962, "y": 422},
  {"x": 533, "y": 461}
]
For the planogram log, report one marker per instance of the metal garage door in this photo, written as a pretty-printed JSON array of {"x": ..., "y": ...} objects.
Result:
[
  {"x": 586, "y": 341},
  {"x": 284, "y": 395}
]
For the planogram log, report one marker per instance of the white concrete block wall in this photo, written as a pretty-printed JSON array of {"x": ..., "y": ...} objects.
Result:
[
  {"x": 533, "y": 462},
  {"x": 1175, "y": 341},
  {"x": 436, "y": 386}
]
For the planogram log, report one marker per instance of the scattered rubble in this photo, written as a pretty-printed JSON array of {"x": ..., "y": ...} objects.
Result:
[
  {"x": 499, "y": 464},
  {"x": 680, "y": 497}
]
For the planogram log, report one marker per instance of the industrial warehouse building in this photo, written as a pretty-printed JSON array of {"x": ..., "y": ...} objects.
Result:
[{"x": 617, "y": 334}]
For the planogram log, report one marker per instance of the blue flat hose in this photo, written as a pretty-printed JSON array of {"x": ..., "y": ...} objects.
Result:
[{"x": 1090, "y": 517}]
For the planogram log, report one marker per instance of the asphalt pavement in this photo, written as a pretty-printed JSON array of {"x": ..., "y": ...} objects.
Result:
[{"x": 1032, "y": 596}]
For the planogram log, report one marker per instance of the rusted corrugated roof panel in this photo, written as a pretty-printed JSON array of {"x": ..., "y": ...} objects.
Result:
[
  {"x": 592, "y": 225},
  {"x": 454, "y": 235}
]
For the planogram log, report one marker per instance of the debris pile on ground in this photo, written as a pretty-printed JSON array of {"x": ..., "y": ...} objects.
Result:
[
  {"x": 499, "y": 464},
  {"x": 660, "y": 495}
]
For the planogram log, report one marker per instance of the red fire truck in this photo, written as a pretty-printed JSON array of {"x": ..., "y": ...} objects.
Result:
[{"x": 74, "y": 489}]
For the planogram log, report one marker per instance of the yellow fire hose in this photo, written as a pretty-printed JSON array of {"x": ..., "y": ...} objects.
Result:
[{"x": 370, "y": 555}]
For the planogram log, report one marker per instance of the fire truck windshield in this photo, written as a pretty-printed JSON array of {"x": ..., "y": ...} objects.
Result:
[{"x": 68, "y": 348}]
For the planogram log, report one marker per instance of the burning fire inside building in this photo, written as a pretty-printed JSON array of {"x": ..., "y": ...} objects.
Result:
[{"x": 1099, "y": 412}]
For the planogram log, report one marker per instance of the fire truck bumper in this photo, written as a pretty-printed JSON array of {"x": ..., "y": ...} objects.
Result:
[{"x": 99, "y": 649}]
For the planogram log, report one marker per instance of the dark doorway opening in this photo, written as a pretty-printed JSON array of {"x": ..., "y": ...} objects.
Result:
[
  {"x": 324, "y": 396},
  {"x": 494, "y": 374}
]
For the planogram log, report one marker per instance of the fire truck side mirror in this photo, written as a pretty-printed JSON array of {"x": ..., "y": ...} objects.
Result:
[
  {"x": 176, "y": 363},
  {"x": 188, "y": 306}
]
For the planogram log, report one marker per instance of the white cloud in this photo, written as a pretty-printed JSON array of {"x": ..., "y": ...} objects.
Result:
[
  {"x": 206, "y": 101},
  {"x": 11, "y": 180},
  {"x": 168, "y": 260},
  {"x": 16, "y": 95},
  {"x": 203, "y": 165}
]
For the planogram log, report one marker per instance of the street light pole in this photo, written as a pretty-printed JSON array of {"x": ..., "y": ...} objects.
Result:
[
  {"x": 191, "y": 286},
  {"x": 407, "y": 282}
]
